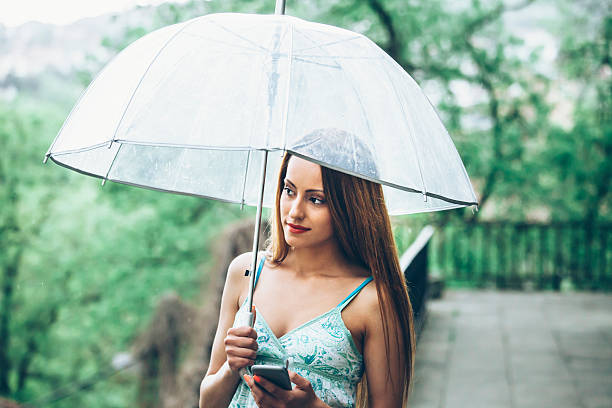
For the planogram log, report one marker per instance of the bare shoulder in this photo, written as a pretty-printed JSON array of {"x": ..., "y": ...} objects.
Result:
[
  {"x": 236, "y": 278},
  {"x": 234, "y": 281},
  {"x": 239, "y": 264},
  {"x": 363, "y": 312},
  {"x": 369, "y": 302}
]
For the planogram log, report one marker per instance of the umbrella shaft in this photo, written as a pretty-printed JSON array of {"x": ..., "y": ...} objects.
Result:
[
  {"x": 280, "y": 7},
  {"x": 262, "y": 184}
]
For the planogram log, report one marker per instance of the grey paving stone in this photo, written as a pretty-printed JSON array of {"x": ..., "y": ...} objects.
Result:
[
  {"x": 539, "y": 366},
  {"x": 545, "y": 394},
  {"x": 478, "y": 390},
  {"x": 601, "y": 367},
  {"x": 539, "y": 340},
  {"x": 517, "y": 350},
  {"x": 429, "y": 385},
  {"x": 432, "y": 354}
]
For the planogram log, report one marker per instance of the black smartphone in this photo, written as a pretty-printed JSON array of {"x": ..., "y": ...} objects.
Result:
[{"x": 275, "y": 374}]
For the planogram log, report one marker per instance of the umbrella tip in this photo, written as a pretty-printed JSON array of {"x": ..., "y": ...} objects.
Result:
[
  {"x": 103, "y": 182},
  {"x": 46, "y": 158}
]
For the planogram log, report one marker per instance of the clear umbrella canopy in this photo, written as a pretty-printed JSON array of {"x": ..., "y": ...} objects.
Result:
[{"x": 193, "y": 107}]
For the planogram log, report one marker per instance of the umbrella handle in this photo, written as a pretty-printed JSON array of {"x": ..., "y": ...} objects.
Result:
[{"x": 245, "y": 320}]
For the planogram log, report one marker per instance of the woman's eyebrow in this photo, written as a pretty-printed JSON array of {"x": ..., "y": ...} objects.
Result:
[{"x": 308, "y": 191}]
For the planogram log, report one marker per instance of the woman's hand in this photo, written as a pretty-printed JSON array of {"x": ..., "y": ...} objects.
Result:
[
  {"x": 268, "y": 395},
  {"x": 241, "y": 346}
]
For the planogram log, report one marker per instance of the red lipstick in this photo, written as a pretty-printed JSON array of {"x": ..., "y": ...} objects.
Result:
[{"x": 297, "y": 229}]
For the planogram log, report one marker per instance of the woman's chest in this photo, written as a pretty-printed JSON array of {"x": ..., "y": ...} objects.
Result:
[
  {"x": 304, "y": 310},
  {"x": 322, "y": 345}
]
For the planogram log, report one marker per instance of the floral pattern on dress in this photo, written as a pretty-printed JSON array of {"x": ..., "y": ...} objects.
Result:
[{"x": 321, "y": 350}]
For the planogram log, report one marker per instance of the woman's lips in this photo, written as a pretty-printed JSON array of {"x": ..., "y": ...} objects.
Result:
[{"x": 297, "y": 229}]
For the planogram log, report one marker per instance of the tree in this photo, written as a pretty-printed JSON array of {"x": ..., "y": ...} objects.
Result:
[{"x": 580, "y": 156}]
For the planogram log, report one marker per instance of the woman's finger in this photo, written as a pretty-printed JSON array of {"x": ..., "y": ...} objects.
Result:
[
  {"x": 260, "y": 395},
  {"x": 241, "y": 352},
  {"x": 269, "y": 386},
  {"x": 298, "y": 380},
  {"x": 236, "y": 363},
  {"x": 242, "y": 331},
  {"x": 243, "y": 342}
]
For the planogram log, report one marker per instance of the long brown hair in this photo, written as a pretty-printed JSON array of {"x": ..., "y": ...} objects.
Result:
[{"x": 363, "y": 230}]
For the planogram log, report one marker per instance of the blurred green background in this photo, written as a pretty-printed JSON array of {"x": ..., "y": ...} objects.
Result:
[{"x": 524, "y": 88}]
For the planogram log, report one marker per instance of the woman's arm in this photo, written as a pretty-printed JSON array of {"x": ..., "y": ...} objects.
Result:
[
  {"x": 217, "y": 390},
  {"x": 382, "y": 390},
  {"x": 221, "y": 380}
]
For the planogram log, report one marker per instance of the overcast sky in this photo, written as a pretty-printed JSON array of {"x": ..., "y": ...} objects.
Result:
[{"x": 16, "y": 12}]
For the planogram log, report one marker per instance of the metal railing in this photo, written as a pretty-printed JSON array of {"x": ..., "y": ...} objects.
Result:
[
  {"x": 508, "y": 255},
  {"x": 414, "y": 265}
]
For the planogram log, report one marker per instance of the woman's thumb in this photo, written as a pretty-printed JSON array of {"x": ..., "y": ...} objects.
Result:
[{"x": 298, "y": 380}]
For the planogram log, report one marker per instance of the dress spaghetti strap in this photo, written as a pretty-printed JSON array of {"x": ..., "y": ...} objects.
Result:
[
  {"x": 261, "y": 264},
  {"x": 342, "y": 304},
  {"x": 354, "y": 293}
]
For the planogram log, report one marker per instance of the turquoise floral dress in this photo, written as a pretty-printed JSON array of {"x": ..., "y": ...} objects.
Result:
[{"x": 321, "y": 350}]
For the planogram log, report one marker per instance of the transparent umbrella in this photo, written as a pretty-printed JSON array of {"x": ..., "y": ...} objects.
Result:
[{"x": 208, "y": 106}]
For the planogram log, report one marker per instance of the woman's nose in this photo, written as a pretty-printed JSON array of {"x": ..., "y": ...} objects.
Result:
[{"x": 296, "y": 211}]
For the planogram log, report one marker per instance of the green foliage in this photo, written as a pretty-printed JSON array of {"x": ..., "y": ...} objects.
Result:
[
  {"x": 89, "y": 262},
  {"x": 581, "y": 155}
]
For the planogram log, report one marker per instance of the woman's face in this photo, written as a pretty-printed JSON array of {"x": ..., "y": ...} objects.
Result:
[{"x": 305, "y": 215}]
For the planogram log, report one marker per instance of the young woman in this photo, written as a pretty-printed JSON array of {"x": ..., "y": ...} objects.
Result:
[{"x": 349, "y": 342}]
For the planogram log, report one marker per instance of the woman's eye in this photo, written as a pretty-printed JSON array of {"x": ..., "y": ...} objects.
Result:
[
  {"x": 287, "y": 190},
  {"x": 316, "y": 200}
]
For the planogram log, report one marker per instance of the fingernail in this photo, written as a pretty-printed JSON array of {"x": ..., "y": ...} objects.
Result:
[
  {"x": 256, "y": 378},
  {"x": 246, "y": 377}
]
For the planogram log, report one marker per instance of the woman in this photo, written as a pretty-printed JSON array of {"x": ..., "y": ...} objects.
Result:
[{"x": 331, "y": 237}]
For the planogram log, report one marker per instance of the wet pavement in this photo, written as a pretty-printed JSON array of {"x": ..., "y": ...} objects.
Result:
[{"x": 515, "y": 350}]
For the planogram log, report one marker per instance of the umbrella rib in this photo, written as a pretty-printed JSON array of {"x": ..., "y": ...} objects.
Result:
[
  {"x": 329, "y": 43},
  {"x": 338, "y": 66},
  {"x": 113, "y": 162},
  {"x": 431, "y": 209},
  {"x": 128, "y": 183},
  {"x": 289, "y": 62},
  {"x": 80, "y": 149},
  {"x": 239, "y": 36},
  {"x": 316, "y": 63},
  {"x": 416, "y": 152},
  {"x": 196, "y": 147},
  {"x": 351, "y": 83},
  {"x": 339, "y": 57},
  {"x": 85, "y": 92},
  {"x": 145, "y": 74},
  {"x": 222, "y": 42},
  {"x": 379, "y": 181},
  {"x": 157, "y": 144},
  {"x": 467, "y": 178},
  {"x": 246, "y": 173}
]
